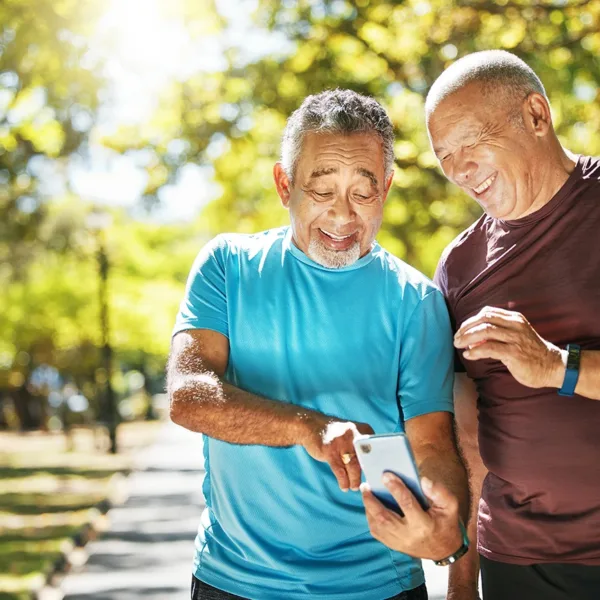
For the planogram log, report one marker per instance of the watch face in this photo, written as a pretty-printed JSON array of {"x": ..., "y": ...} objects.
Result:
[{"x": 574, "y": 357}]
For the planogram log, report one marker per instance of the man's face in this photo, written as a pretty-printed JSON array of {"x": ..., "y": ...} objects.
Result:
[
  {"x": 336, "y": 201},
  {"x": 481, "y": 151}
]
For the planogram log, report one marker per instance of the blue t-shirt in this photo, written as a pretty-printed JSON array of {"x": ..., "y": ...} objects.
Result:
[{"x": 371, "y": 343}]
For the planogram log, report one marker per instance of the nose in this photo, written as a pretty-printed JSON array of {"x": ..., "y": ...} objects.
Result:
[
  {"x": 464, "y": 169},
  {"x": 342, "y": 212}
]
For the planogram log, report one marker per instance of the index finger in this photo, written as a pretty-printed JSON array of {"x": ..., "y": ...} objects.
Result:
[{"x": 495, "y": 316}]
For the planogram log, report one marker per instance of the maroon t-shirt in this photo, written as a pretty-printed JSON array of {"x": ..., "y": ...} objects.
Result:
[{"x": 541, "y": 499}]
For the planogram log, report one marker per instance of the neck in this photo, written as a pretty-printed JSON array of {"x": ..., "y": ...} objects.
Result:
[{"x": 554, "y": 174}]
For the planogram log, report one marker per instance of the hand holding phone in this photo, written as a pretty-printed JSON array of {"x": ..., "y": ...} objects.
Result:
[
  {"x": 418, "y": 520},
  {"x": 389, "y": 453}
]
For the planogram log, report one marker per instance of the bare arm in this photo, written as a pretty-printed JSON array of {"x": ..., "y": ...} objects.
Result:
[
  {"x": 202, "y": 402},
  {"x": 464, "y": 574},
  {"x": 432, "y": 439}
]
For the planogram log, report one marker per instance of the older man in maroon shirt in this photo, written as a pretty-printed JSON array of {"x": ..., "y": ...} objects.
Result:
[{"x": 523, "y": 288}]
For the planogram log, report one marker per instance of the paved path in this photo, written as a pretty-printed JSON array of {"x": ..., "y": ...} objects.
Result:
[{"x": 147, "y": 551}]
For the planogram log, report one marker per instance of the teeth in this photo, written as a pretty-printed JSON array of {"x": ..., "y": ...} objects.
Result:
[
  {"x": 485, "y": 185},
  {"x": 336, "y": 238}
]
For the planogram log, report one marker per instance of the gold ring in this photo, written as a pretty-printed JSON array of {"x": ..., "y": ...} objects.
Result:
[{"x": 347, "y": 458}]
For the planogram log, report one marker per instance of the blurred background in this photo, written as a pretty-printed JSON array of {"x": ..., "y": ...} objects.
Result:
[{"x": 132, "y": 131}]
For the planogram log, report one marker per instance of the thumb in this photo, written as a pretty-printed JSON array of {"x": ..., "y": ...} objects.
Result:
[{"x": 440, "y": 496}]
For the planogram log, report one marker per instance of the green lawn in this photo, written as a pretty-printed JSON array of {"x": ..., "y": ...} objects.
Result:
[{"x": 53, "y": 493}]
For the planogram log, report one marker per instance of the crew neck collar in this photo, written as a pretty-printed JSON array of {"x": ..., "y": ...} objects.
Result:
[
  {"x": 288, "y": 244},
  {"x": 552, "y": 204}
]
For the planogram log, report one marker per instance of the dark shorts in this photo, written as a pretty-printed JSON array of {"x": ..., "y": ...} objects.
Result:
[
  {"x": 203, "y": 591},
  {"x": 502, "y": 581}
]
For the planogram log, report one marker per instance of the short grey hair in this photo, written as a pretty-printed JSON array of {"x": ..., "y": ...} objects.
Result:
[
  {"x": 336, "y": 111},
  {"x": 504, "y": 77}
]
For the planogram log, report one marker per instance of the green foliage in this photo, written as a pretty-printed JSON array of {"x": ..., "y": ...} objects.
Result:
[
  {"x": 48, "y": 100},
  {"x": 51, "y": 315},
  {"x": 393, "y": 51},
  {"x": 232, "y": 119}
]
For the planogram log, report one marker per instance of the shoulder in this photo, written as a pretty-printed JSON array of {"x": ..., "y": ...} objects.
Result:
[
  {"x": 587, "y": 182},
  {"x": 413, "y": 285},
  {"x": 240, "y": 246},
  {"x": 458, "y": 256},
  {"x": 465, "y": 241},
  {"x": 590, "y": 168}
]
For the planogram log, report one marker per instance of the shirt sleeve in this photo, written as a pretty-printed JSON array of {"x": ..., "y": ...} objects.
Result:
[
  {"x": 426, "y": 377},
  {"x": 204, "y": 305}
]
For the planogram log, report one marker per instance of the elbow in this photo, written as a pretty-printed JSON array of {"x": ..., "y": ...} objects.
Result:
[
  {"x": 187, "y": 409},
  {"x": 176, "y": 408},
  {"x": 181, "y": 404},
  {"x": 190, "y": 400}
]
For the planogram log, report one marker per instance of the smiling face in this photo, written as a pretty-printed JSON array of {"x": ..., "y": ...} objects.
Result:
[
  {"x": 491, "y": 158},
  {"x": 336, "y": 201}
]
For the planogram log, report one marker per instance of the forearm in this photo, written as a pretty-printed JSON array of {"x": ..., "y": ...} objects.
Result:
[
  {"x": 205, "y": 404},
  {"x": 588, "y": 384},
  {"x": 445, "y": 466},
  {"x": 465, "y": 572}
]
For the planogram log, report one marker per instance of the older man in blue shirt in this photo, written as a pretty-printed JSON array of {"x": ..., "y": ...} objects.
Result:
[{"x": 291, "y": 342}]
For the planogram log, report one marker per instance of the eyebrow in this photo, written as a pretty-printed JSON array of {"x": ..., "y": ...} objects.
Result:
[
  {"x": 369, "y": 175},
  {"x": 328, "y": 171},
  {"x": 320, "y": 172}
]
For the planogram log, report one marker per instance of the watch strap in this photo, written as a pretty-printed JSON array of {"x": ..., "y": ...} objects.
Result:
[
  {"x": 444, "y": 562},
  {"x": 572, "y": 372}
]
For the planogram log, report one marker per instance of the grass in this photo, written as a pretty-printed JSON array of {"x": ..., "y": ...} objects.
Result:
[{"x": 53, "y": 491}]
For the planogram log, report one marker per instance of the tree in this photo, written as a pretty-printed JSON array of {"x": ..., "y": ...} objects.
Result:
[
  {"x": 48, "y": 101},
  {"x": 393, "y": 51},
  {"x": 50, "y": 315}
]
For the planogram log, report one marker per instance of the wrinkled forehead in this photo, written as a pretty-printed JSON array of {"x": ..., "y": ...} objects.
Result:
[
  {"x": 323, "y": 150},
  {"x": 462, "y": 113}
]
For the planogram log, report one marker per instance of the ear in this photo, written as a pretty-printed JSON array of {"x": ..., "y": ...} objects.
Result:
[
  {"x": 537, "y": 115},
  {"x": 388, "y": 185},
  {"x": 282, "y": 183}
]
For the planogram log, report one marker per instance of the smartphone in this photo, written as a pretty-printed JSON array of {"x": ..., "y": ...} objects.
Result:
[{"x": 389, "y": 453}]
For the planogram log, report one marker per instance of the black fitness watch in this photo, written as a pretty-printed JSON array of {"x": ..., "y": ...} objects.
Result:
[{"x": 572, "y": 371}]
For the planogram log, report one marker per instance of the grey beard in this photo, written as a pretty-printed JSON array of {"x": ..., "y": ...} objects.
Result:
[{"x": 332, "y": 259}]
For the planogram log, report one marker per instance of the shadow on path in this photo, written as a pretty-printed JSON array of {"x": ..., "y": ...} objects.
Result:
[{"x": 148, "y": 549}]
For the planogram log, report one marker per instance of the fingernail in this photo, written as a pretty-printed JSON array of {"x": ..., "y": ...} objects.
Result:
[
  {"x": 387, "y": 478},
  {"x": 355, "y": 489},
  {"x": 364, "y": 487},
  {"x": 427, "y": 484},
  {"x": 344, "y": 489},
  {"x": 467, "y": 354}
]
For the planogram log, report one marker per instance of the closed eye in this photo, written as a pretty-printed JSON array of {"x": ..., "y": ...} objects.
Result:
[{"x": 322, "y": 196}]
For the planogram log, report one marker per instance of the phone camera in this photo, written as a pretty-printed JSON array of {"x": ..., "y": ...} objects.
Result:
[{"x": 366, "y": 448}]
